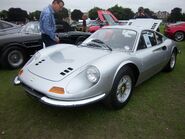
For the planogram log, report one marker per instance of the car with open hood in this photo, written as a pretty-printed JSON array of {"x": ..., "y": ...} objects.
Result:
[
  {"x": 105, "y": 18},
  {"x": 106, "y": 66}
]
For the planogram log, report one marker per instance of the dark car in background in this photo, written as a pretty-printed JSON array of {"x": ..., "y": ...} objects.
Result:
[
  {"x": 16, "y": 49},
  {"x": 175, "y": 31},
  {"x": 8, "y": 28}
]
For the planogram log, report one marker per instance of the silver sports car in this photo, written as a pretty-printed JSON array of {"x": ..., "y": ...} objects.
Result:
[{"x": 106, "y": 66}]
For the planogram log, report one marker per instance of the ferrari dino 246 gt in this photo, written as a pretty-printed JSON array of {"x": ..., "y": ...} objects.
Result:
[{"x": 106, "y": 66}]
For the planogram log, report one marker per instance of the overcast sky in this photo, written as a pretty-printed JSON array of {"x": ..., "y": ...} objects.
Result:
[{"x": 85, "y": 5}]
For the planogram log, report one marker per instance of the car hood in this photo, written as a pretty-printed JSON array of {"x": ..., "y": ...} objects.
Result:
[{"x": 62, "y": 62}]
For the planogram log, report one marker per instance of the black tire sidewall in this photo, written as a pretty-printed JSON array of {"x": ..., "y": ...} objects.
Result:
[
  {"x": 179, "y": 32},
  {"x": 4, "y": 57},
  {"x": 124, "y": 71},
  {"x": 168, "y": 67}
]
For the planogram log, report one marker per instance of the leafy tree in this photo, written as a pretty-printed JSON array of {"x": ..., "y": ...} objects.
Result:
[
  {"x": 93, "y": 13},
  {"x": 76, "y": 15},
  {"x": 61, "y": 15},
  {"x": 17, "y": 14},
  {"x": 117, "y": 11},
  {"x": 176, "y": 15},
  {"x": 127, "y": 14},
  {"x": 35, "y": 15},
  {"x": 3, "y": 14},
  {"x": 149, "y": 12},
  {"x": 183, "y": 16}
]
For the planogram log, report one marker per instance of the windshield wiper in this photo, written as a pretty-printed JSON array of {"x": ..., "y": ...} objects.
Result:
[{"x": 101, "y": 42}]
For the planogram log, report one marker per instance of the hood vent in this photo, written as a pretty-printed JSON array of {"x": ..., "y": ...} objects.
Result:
[
  {"x": 40, "y": 62},
  {"x": 63, "y": 73}
]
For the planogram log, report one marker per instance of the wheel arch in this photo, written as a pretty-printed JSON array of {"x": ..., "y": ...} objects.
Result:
[
  {"x": 10, "y": 45},
  {"x": 133, "y": 66}
]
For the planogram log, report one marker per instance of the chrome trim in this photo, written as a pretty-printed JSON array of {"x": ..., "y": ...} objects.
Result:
[
  {"x": 17, "y": 81},
  {"x": 70, "y": 103}
]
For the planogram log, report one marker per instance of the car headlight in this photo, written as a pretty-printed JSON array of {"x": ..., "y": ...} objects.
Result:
[{"x": 93, "y": 74}]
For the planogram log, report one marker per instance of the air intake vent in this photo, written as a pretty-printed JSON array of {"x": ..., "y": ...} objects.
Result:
[
  {"x": 66, "y": 71},
  {"x": 40, "y": 62}
]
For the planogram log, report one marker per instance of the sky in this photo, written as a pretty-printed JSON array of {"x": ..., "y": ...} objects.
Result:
[{"x": 86, "y": 5}]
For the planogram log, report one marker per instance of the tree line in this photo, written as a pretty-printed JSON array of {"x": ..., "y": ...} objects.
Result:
[{"x": 20, "y": 15}]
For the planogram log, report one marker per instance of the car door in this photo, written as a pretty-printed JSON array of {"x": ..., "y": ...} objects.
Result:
[{"x": 151, "y": 53}]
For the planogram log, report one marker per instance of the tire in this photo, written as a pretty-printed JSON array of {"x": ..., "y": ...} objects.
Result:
[
  {"x": 122, "y": 89},
  {"x": 172, "y": 62},
  {"x": 13, "y": 58},
  {"x": 179, "y": 36}
]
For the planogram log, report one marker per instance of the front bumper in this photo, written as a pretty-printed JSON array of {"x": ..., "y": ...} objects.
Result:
[{"x": 60, "y": 103}]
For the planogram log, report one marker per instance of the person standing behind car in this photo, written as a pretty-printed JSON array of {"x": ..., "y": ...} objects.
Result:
[
  {"x": 141, "y": 13},
  {"x": 47, "y": 23}
]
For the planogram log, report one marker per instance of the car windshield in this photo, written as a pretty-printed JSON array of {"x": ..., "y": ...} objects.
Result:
[
  {"x": 32, "y": 27},
  {"x": 112, "y": 39}
]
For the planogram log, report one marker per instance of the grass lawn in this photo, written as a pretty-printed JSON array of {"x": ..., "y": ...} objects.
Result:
[{"x": 156, "y": 111}]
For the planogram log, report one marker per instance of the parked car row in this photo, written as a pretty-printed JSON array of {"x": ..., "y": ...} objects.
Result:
[{"x": 16, "y": 48}]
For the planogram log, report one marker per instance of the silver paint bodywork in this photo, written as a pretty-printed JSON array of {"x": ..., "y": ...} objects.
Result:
[{"x": 44, "y": 70}]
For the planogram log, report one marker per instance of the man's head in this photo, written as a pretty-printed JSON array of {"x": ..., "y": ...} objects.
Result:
[
  {"x": 57, "y": 5},
  {"x": 141, "y": 10}
]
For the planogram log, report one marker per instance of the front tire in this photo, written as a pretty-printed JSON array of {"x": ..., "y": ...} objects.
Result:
[
  {"x": 122, "y": 89},
  {"x": 179, "y": 36},
  {"x": 13, "y": 58}
]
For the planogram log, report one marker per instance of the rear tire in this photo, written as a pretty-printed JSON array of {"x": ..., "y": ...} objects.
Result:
[
  {"x": 172, "y": 62},
  {"x": 13, "y": 58},
  {"x": 122, "y": 89}
]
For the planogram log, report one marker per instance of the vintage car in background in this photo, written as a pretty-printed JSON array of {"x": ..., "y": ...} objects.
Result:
[
  {"x": 15, "y": 49},
  {"x": 107, "y": 65},
  {"x": 8, "y": 28},
  {"x": 175, "y": 31},
  {"x": 105, "y": 18}
]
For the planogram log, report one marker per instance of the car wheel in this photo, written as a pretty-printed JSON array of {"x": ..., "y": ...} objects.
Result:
[
  {"x": 179, "y": 36},
  {"x": 122, "y": 89},
  {"x": 172, "y": 62},
  {"x": 13, "y": 58}
]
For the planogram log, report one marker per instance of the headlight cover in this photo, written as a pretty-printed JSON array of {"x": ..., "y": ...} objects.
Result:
[{"x": 92, "y": 74}]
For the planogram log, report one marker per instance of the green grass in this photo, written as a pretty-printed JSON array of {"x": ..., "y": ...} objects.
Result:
[{"x": 156, "y": 111}]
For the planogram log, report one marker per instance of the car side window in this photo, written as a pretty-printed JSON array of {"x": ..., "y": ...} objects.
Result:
[
  {"x": 142, "y": 44},
  {"x": 159, "y": 38},
  {"x": 147, "y": 40}
]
